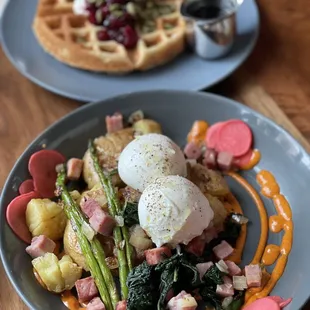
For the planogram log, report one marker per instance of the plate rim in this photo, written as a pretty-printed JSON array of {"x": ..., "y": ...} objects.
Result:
[
  {"x": 205, "y": 95},
  {"x": 85, "y": 99}
]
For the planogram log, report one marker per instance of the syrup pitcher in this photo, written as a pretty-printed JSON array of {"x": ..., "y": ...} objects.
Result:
[{"x": 211, "y": 26}]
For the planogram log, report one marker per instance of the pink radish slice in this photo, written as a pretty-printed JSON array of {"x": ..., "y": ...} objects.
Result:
[
  {"x": 234, "y": 137},
  {"x": 281, "y": 302},
  {"x": 26, "y": 187},
  {"x": 243, "y": 160},
  {"x": 16, "y": 215},
  {"x": 212, "y": 135},
  {"x": 42, "y": 166},
  {"x": 261, "y": 304}
]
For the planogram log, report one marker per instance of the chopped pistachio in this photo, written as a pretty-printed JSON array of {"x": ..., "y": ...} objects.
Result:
[
  {"x": 114, "y": 7},
  {"x": 117, "y": 13},
  {"x": 168, "y": 26}
]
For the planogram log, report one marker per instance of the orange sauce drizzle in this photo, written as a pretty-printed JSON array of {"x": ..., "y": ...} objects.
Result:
[
  {"x": 70, "y": 301},
  {"x": 198, "y": 132},
  {"x": 262, "y": 212},
  {"x": 271, "y": 254},
  {"x": 277, "y": 223},
  {"x": 255, "y": 158},
  {"x": 233, "y": 206}
]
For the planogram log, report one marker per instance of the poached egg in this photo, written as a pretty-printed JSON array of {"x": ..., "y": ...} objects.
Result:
[
  {"x": 149, "y": 157},
  {"x": 173, "y": 210}
]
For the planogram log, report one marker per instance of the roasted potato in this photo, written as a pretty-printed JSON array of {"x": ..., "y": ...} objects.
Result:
[
  {"x": 70, "y": 271},
  {"x": 139, "y": 239},
  {"x": 145, "y": 126},
  {"x": 219, "y": 210},
  {"x": 73, "y": 249},
  {"x": 209, "y": 181},
  {"x": 109, "y": 148},
  {"x": 97, "y": 193},
  {"x": 45, "y": 217},
  {"x": 57, "y": 275},
  {"x": 76, "y": 196}
]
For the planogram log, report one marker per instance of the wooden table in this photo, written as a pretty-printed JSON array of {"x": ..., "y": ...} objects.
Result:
[{"x": 274, "y": 81}]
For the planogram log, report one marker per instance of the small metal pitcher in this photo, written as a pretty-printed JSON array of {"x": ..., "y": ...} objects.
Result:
[{"x": 211, "y": 26}]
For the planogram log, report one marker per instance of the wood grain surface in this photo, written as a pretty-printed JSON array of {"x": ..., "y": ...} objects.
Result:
[{"x": 274, "y": 81}]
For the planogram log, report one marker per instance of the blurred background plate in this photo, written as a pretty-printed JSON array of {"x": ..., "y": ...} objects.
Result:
[{"x": 187, "y": 72}]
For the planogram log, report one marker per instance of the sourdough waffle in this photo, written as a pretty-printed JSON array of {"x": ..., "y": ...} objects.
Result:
[{"x": 72, "y": 39}]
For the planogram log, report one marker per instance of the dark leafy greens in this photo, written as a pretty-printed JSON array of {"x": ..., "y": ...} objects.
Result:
[
  {"x": 143, "y": 285},
  {"x": 213, "y": 277},
  {"x": 130, "y": 214}
]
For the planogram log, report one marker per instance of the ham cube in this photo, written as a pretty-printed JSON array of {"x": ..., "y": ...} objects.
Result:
[
  {"x": 121, "y": 305},
  {"x": 74, "y": 168},
  {"x": 192, "y": 150},
  {"x": 225, "y": 160},
  {"x": 239, "y": 283},
  {"x": 86, "y": 289},
  {"x": 223, "y": 250},
  {"x": 95, "y": 304},
  {"x": 203, "y": 268},
  {"x": 253, "y": 275},
  {"x": 102, "y": 222},
  {"x": 196, "y": 246},
  {"x": 40, "y": 245},
  {"x": 182, "y": 301},
  {"x": 210, "y": 234},
  {"x": 227, "y": 280},
  {"x": 157, "y": 255},
  {"x": 233, "y": 269},
  {"x": 225, "y": 290},
  {"x": 114, "y": 123},
  {"x": 209, "y": 159},
  {"x": 89, "y": 206}
]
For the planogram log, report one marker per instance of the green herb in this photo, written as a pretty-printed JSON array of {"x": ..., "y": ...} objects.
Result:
[
  {"x": 143, "y": 288},
  {"x": 237, "y": 303},
  {"x": 177, "y": 272},
  {"x": 130, "y": 214},
  {"x": 209, "y": 295},
  {"x": 213, "y": 277}
]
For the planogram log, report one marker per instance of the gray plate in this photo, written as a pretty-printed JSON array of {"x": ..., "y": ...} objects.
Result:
[
  {"x": 29, "y": 58},
  {"x": 176, "y": 111}
]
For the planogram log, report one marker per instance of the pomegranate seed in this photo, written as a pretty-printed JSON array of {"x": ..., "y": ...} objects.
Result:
[
  {"x": 103, "y": 35},
  {"x": 117, "y": 1},
  {"x": 90, "y": 6},
  {"x": 130, "y": 37}
]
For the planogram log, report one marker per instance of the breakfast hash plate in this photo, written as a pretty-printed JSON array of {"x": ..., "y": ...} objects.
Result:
[{"x": 229, "y": 141}]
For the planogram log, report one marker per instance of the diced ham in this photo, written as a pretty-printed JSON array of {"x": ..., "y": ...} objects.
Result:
[
  {"x": 40, "y": 245},
  {"x": 102, "y": 222},
  {"x": 157, "y": 255},
  {"x": 74, "y": 168},
  {"x": 192, "y": 150},
  {"x": 225, "y": 290},
  {"x": 197, "y": 245},
  {"x": 210, "y": 234},
  {"x": 169, "y": 295},
  {"x": 209, "y": 159},
  {"x": 223, "y": 250},
  {"x": 253, "y": 275},
  {"x": 227, "y": 280},
  {"x": 114, "y": 123},
  {"x": 121, "y": 305},
  {"x": 239, "y": 283},
  {"x": 89, "y": 206},
  {"x": 86, "y": 289},
  {"x": 233, "y": 269},
  {"x": 203, "y": 268},
  {"x": 182, "y": 301},
  {"x": 95, "y": 304},
  {"x": 225, "y": 160}
]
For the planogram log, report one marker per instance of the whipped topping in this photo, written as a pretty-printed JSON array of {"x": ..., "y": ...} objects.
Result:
[{"x": 79, "y": 7}]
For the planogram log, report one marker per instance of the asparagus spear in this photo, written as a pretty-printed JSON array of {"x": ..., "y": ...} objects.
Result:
[
  {"x": 92, "y": 250},
  {"x": 119, "y": 233}
]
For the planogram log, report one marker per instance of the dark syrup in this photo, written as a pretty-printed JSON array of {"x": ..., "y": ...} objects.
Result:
[{"x": 204, "y": 10}]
